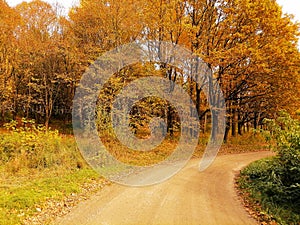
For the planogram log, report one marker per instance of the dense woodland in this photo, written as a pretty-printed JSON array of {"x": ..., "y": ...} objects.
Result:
[{"x": 249, "y": 45}]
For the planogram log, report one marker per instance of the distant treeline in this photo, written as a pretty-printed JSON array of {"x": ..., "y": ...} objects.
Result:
[{"x": 250, "y": 47}]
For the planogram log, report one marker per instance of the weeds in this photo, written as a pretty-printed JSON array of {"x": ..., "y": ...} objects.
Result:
[
  {"x": 19, "y": 200},
  {"x": 37, "y": 164},
  {"x": 31, "y": 146},
  {"x": 275, "y": 182}
]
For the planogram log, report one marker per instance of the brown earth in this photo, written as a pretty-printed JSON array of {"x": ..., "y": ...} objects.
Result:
[{"x": 190, "y": 197}]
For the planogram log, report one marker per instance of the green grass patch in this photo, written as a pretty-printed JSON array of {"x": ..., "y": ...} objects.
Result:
[
  {"x": 20, "y": 199},
  {"x": 262, "y": 182},
  {"x": 37, "y": 165},
  {"x": 275, "y": 183}
]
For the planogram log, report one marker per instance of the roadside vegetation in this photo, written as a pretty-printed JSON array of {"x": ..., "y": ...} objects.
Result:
[
  {"x": 37, "y": 165},
  {"x": 273, "y": 185}
]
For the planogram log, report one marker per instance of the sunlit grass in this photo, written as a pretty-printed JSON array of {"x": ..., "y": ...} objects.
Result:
[{"x": 20, "y": 198}]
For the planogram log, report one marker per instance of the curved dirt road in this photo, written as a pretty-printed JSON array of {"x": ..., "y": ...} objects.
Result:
[{"x": 190, "y": 197}]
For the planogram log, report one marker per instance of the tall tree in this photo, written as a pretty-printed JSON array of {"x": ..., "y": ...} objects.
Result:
[
  {"x": 45, "y": 67},
  {"x": 9, "y": 20},
  {"x": 244, "y": 49}
]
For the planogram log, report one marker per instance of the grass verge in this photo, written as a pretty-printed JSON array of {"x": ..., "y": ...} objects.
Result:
[
  {"x": 20, "y": 199},
  {"x": 37, "y": 165},
  {"x": 263, "y": 192}
]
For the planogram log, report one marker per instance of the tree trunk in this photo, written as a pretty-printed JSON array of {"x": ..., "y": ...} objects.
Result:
[
  {"x": 240, "y": 124},
  {"x": 255, "y": 120},
  {"x": 227, "y": 129},
  {"x": 205, "y": 123},
  {"x": 215, "y": 125},
  {"x": 240, "y": 128},
  {"x": 170, "y": 121},
  {"x": 233, "y": 122}
]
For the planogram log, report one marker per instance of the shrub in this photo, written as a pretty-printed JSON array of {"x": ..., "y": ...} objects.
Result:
[
  {"x": 285, "y": 131},
  {"x": 275, "y": 182},
  {"x": 32, "y": 146}
]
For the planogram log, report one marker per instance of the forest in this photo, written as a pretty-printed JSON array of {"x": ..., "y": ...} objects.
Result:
[{"x": 250, "y": 47}]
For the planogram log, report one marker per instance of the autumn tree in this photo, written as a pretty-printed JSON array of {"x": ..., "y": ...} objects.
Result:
[
  {"x": 250, "y": 48},
  {"x": 240, "y": 42},
  {"x": 9, "y": 20},
  {"x": 46, "y": 69},
  {"x": 164, "y": 20}
]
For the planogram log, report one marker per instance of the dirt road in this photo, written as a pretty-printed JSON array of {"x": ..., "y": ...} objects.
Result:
[{"x": 190, "y": 197}]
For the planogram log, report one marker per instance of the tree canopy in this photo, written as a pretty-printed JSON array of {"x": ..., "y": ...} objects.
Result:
[{"x": 250, "y": 46}]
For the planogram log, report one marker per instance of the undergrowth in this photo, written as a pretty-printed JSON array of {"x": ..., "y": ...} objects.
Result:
[
  {"x": 20, "y": 199},
  {"x": 35, "y": 165},
  {"x": 275, "y": 183},
  {"x": 31, "y": 146}
]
